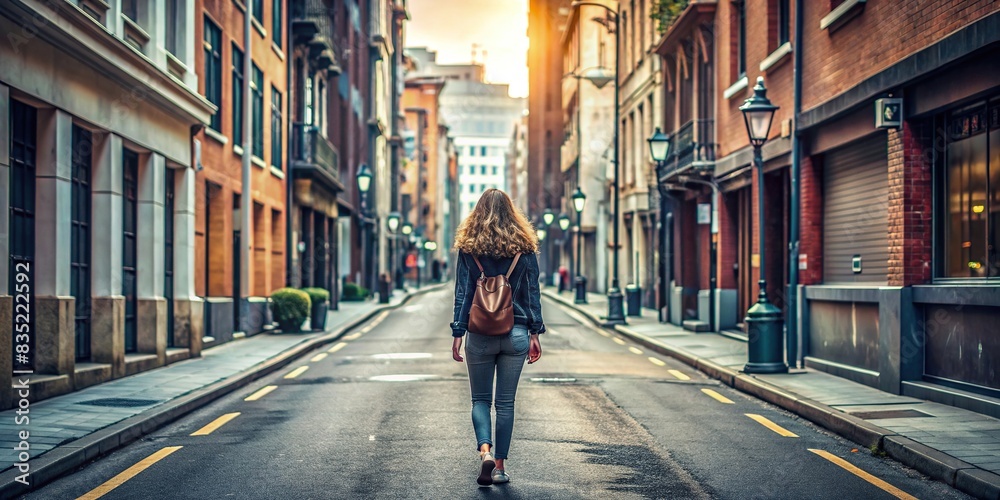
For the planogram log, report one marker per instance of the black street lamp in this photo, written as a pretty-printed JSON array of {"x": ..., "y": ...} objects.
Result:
[
  {"x": 430, "y": 247},
  {"x": 392, "y": 224},
  {"x": 659, "y": 146},
  {"x": 579, "y": 200},
  {"x": 364, "y": 178},
  {"x": 764, "y": 321},
  {"x": 548, "y": 217},
  {"x": 564, "y": 222},
  {"x": 600, "y": 77},
  {"x": 407, "y": 230}
]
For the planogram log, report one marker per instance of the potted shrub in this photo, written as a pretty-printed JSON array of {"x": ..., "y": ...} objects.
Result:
[
  {"x": 320, "y": 299},
  {"x": 291, "y": 308},
  {"x": 354, "y": 292}
]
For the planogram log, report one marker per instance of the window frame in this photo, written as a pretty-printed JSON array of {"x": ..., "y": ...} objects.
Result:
[
  {"x": 277, "y": 17},
  {"x": 237, "y": 77},
  {"x": 940, "y": 162},
  {"x": 277, "y": 148},
  {"x": 213, "y": 70},
  {"x": 257, "y": 110}
]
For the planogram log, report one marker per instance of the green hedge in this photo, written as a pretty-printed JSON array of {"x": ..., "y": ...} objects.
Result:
[
  {"x": 291, "y": 308},
  {"x": 317, "y": 295},
  {"x": 353, "y": 291}
]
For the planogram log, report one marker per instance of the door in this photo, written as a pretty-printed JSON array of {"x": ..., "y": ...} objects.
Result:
[
  {"x": 130, "y": 167},
  {"x": 746, "y": 288},
  {"x": 855, "y": 212},
  {"x": 23, "y": 123},
  {"x": 79, "y": 279}
]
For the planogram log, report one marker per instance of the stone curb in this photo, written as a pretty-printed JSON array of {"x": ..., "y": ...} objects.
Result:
[
  {"x": 936, "y": 464},
  {"x": 65, "y": 458}
]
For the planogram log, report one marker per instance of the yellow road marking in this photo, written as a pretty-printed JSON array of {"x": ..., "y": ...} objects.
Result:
[
  {"x": 618, "y": 341},
  {"x": 318, "y": 357},
  {"x": 212, "y": 427},
  {"x": 264, "y": 391},
  {"x": 679, "y": 374},
  {"x": 773, "y": 426},
  {"x": 353, "y": 335},
  {"x": 336, "y": 347},
  {"x": 635, "y": 350},
  {"x": 656, "y": 361},
  {"x": 602, "y": 332},
  {"x": 718, "y": 397},
  {"x": 884, "y": 486},
  {"x": 296, "y": 372},
  {"x": 129, "y": 473}
]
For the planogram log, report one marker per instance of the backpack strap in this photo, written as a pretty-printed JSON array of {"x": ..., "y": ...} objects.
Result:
[
  {"x": 481, "y": 271},
  {"x": 512, "y": 266}
]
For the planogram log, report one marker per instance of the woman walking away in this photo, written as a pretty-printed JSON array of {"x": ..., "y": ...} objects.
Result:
[{"x": 497, "y": 302}]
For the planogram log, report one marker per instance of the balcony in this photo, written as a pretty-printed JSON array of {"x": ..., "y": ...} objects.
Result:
[
  {"x": 312, "y": 25},
  {"x": 313, "y": 156},
  {"x": 693, "y": 148}
]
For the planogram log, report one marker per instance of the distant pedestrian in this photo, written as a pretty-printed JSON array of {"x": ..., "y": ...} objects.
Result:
[{"x": 496, "y": 239}]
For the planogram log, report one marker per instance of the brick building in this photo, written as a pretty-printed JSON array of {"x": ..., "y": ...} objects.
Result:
[
  {"x": 231, "y": 305},
  {"x": 896, "y": 244},
  {"x": 421, "y": 183},
  {"x": 900, "y": 223}
]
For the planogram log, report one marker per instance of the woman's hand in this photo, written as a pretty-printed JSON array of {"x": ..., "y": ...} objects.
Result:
[
  {"x": 456, "y": 349},
  {"x": 534, "y": 348}
]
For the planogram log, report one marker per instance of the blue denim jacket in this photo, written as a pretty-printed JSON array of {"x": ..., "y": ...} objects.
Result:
[{"x": 523, "y": 283}]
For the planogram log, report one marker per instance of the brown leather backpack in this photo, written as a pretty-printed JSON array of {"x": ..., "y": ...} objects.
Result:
[{"x": 492, "y": 310}]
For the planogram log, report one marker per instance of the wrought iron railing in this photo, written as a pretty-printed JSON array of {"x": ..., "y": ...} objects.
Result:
[
  {"x": 692, "y": 144},
  {"x": 313, "y": 151},
  {"x": 312, "y": 20}
]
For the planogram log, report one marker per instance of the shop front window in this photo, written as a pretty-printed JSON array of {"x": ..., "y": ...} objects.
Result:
[{"x": 971, "y": 233}]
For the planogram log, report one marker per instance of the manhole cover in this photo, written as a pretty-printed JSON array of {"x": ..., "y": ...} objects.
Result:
[
  {"x": 120, "y": 402},
  {"x": 880, "y": 414}
]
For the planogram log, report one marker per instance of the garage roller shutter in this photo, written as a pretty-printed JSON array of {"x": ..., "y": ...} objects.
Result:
[{"x": 855, "y": 209}]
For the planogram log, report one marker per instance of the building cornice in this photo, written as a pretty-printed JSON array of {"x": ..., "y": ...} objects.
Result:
[{"x": 72, "y": 31}]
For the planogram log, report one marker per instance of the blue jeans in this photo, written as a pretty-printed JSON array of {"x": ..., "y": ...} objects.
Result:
[{"x": 503, "y": 355}]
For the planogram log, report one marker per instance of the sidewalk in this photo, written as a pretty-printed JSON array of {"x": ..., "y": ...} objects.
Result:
[
  {"x": 70, "y": 430},
  {"x": 956, "y": 446}
]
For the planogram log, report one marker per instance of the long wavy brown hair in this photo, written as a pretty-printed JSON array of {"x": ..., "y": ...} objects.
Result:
[{"x": 496, "y": 228}]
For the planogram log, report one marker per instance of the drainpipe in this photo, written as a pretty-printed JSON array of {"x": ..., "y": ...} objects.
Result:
[
  {"x": 292, "y": 93},
  {"x": 246, "y": 201},
  {"x": 792, "y": 307}
]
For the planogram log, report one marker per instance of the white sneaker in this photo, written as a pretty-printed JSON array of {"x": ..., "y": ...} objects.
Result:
[
  {"x": 486, "y": 468},
  {"x": 500, "y": 476}
]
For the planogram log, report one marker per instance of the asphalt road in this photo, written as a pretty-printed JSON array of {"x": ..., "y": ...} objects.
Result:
[{"x": 386, "y": 415}]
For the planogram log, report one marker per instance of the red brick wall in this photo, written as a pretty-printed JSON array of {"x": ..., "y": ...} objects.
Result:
[
  {"x": 910, "y": 204},
  {"x": 811, "y": 221},
  {"x": 884, "y": 33}
]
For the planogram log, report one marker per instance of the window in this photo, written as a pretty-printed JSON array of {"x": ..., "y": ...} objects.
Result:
[
  {"x": 482, "y": 187},
  {"x": 741, "y": 41},
  {"x": 277, "y": 151},
  {"x": 276, "y": 20},
  {"x": 258, "y": 11},
  {"x": 321, "y": 106},
  {"x": 131, "y": 9},
  {"x": 237, "y": 96},
  {"x": 213, "y": 71},
  {"x": 472, "y": 188},
  {"x": 784, "y": 17},
  {"x": 308, "y": 94},
  {"x": 482, "y": 151},
  {"x": 970, "y": 177},
  {"x": 171, "y": 25},
  {"x": 130, "y": 174},
  {"x": 482, "y": 169},
  {"x": 21, "y": 235},
  {"x": 79, "y": 278},
  {"x": 495, "y": 169},
  {"x": 472, "y": 151},
  {"x": 472, "y": 170},
  {"x": 257, "y": 101}
]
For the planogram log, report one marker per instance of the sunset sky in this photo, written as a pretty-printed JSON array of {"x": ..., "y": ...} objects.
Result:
[{"x": 500, "y": 27}]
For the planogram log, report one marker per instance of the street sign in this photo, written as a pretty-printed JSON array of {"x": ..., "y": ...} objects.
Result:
[{"x": 704, "y": 213}]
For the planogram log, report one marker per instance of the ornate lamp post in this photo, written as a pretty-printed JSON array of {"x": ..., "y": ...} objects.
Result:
[
  {"x": 430, "y": 247},
  {"x": 763, "y": 320},
  {"x": 579, "y": 200},
  {"x": 364, "y": 178},
  {"x": 392, "y": 224},
  {"x": 600, "y": 77}
]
